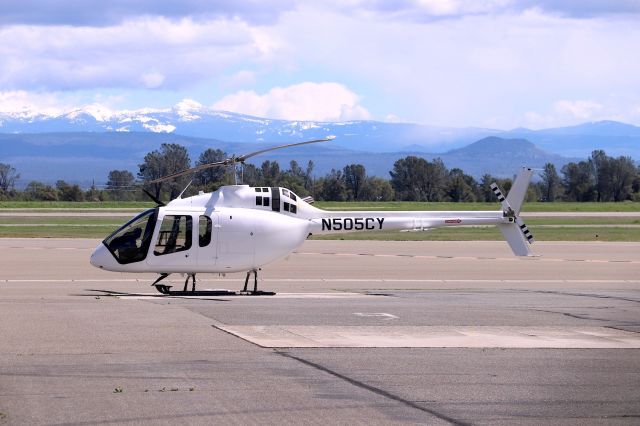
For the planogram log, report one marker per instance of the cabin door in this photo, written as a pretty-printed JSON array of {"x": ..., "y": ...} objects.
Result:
[
  {"x": 175, "y": 245},
  {"x": 207, "y": 240}
]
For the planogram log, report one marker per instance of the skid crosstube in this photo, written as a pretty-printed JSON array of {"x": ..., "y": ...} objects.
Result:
[{"x": 166, "y": 289}]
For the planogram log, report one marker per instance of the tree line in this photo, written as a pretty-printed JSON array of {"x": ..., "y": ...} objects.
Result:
[{"x": 598, "y": 178}]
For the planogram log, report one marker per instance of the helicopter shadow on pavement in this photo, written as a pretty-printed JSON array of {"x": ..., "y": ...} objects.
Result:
[{"x": 196, "y": 295}]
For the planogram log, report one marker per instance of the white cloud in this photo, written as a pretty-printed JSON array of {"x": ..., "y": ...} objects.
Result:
[
  {"x": 498, "y": 63},
  {"x": 29, "y": 103},
  {"x": 143, "y": 53},
  {"x": 152, "y": 80},
  {"x": 240, "y": 79},
  {"x": 579, "y": 109},
  {"x": 469, "y": 71},
  {"x": 304, "y": 101}
]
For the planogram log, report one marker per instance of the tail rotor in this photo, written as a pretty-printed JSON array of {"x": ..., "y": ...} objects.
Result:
[{"x": 516, "y": 232}]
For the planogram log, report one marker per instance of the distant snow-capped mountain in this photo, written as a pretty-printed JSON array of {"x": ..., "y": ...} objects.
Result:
[
  {"x": 189, "y": 118},
  {"x": 192, "y": 119}
]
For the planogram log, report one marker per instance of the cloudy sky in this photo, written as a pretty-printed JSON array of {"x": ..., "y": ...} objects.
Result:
[{"x": 487, "y": 63}]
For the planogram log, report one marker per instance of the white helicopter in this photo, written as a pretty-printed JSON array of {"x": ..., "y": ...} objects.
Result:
[{"x": 241, "y": 228}]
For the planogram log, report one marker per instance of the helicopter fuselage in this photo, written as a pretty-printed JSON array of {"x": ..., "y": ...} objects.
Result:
[
  {"x": 223, "y": 231},
  {"x": 241, "y": 228}
]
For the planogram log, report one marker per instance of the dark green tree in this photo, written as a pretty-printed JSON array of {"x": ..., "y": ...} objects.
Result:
[
  {"x": 354, "y": 176},
  {"x": 601, "y": 171},
  {"x": 461, "y": 187},
  {"x": 622, "y": 175},
  {"x": 270, "y": 173},
  {"x": 38, "y": 191},
  {"x": 484, "y": 187},
  {"x": 332, "y": 187},
  {"x": 68, "y": 192},
  {"x": 550, "y": 185},
  {"x": 171, "y": 158},
  {"x": 578, "y": 181},
  {"x": 376, "y": 189},
  {"x": 416, "y": 179},
  {"x": 120, "y": 185},
  {"x": 308, "y": 177},
  {"x": 8, "y": 177},
  {"x": 212, "y": 177},
  {"x": 294, "y": 179},
  {"x": 251, "y": 175}
]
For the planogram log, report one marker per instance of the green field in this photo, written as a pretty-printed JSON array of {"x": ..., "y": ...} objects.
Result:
[
  {"x": 16, "y": 223},
  {"x": 492, "y": 234},
  {"x": 527, "y": 207},
  {"x": 47, "y": 205},
  {"x": 349, "y": 205}
]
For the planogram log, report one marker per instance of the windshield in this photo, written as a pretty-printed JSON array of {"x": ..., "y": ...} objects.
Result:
[{"x": 130, "y": 242}]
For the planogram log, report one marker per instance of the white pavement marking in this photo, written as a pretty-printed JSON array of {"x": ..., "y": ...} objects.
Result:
[
  {"x": 332, "y": 280},
  {"x": 509, "y": 259},
  {"x": 376, "y": 314},
  {"x": 272, "y": 336}
]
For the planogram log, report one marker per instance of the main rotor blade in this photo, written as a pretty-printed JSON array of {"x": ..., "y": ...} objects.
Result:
[
  {"x": 242, "y": 158},
  {"x": 192, "y": 170},
  {"x": 234, "y": 160}
]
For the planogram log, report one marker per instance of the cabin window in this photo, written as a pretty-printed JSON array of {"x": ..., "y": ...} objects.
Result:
[
  {"x": 131, "y": 242},
  {"x": 285, "y": 206},
  {"x": 258, "y": 200},
  {"x": 174, "y": 235},
  {"x": 265, "y": 201},
  {"x": 204, "y": 231},
  {"x": 275, "y": 196},
  {"x": 293, "y": 209},
  {"x": 258, "y": 189}
]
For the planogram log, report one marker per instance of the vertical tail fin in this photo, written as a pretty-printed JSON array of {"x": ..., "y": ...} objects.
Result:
[{"x": 518, "y": 191}]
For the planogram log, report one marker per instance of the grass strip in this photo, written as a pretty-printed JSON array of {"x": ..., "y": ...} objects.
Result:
[{"x": 351, "y": 205}]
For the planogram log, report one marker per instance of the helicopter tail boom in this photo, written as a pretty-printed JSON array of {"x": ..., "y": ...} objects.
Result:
[{"x": 507, "y": 220}]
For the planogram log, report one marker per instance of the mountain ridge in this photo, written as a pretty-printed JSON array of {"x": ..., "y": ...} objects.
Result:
[
  {"x": 86, "y": 158},
  {"x": 189, "y": 118}
]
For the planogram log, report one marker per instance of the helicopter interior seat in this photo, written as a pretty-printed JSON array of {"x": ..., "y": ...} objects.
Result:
[{"x": 127, "y": 244}]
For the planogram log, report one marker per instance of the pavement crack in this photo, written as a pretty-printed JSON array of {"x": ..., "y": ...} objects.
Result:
[
  {"x": 597, "y": 296},
  {"x": 623, "y": 329},
  {"x": 373, "y": 389},
  {"x": 586, "y": 317}
]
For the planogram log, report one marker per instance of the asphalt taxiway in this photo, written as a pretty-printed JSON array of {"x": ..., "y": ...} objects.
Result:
[{"x": 360, "y": 332}]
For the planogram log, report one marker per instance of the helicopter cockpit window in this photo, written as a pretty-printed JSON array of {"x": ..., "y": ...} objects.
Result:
[
  {"x": 204, "y": 231},
  {"x": 174, "y": 235},
  {"x": 130, "y": 243}
]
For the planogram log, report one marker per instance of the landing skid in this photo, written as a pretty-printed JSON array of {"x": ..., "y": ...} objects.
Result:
[{"x": 166, "y": 289}]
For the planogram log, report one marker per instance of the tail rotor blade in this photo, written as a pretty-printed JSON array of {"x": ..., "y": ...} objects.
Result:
[{"x": 525, "y": 230}]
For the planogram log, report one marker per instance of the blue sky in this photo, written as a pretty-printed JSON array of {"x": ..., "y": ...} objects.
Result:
[{"x": 485, "y": 63}]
